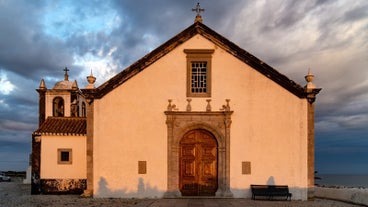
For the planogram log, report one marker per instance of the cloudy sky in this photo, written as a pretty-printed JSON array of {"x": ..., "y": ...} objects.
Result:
[{"x": 39, "y": 38}]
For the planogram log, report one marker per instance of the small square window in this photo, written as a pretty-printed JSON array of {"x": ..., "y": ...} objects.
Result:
[{"x": 64, "y": 156}]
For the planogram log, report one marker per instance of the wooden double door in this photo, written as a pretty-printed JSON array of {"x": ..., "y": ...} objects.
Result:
[{"x": 198, "y": 164}]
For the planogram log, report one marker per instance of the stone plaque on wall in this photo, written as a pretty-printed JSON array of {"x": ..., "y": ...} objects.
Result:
[
  {"x": 246, "y": 169},
  {"x": 142, "y": 167}
]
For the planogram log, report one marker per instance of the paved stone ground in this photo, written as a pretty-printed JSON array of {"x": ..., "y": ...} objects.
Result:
[{"x": 17, "y": 194}]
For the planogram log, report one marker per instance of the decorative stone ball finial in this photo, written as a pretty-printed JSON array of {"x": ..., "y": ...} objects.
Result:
[
  {"x": 311, "y": 89},
  {"x": 227, "y": 106},
  {"x": 309, "y": 78},
  {"x": 171, "y": 107},
  {"x": 208, "y": 107},
  {"x": 189, "y": 107},
  {"x": 91, "y": 80}
]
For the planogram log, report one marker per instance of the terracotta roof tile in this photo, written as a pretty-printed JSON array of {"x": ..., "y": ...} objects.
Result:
[{"x": 63, "y": 126}]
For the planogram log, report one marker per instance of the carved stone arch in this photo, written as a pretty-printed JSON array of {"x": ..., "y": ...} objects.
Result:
[
  {"x": 220, "y": 137},
  {"x": 216, "y": 122}
]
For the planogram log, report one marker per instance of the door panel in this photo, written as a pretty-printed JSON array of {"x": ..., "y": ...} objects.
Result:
[{"x": 198, "y": 164}]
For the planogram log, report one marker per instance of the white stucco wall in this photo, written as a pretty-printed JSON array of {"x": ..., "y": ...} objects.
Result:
[
  {"x": 269, "y": 127},
  {"x": 50, "y": 169}
]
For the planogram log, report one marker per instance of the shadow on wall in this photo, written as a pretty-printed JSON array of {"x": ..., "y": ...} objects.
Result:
[
  {"x": 271, "y": 181},
  {"x": 144, "y": 190},
  {"x": 298, "y": 193}
]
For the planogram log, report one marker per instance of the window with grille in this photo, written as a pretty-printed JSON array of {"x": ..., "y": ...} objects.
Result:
[
  {"x": 199, "y": 77},
  {"x": 198, "y": 72}
]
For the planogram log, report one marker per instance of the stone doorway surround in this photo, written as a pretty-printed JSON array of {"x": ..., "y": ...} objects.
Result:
[{"x": 216, "y": 122}]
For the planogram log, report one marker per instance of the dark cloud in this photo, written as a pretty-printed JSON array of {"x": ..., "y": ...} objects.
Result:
[
  {"x": 28, "y": 52},
  {"x": 10, "y": 126},
  {"x": 287, "y": 14},
  {"x": 355, "y": 14},
  {"x": 163, "y": 17}
]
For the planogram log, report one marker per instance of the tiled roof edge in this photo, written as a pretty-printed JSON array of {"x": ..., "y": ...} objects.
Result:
[
  {"x": 57, "y": 134},
  {"x": 55, "y": 126}
]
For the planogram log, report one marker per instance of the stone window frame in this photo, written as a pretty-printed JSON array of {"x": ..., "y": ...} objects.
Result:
[
  {"x": 59, "y": 156},
  {"x": 199, "y": 55}
]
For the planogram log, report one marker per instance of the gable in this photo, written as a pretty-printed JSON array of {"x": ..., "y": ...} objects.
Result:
[{"x": 209, "y": 34}]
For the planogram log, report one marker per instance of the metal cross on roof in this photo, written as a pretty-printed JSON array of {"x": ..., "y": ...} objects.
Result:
[
  {"x": 66, "y": 76},
  {"x": 66, "y": 70},
  {"x": 198, "y": 10}
]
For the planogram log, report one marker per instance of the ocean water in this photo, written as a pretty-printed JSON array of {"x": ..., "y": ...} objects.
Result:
[{"x": 342, "y": 180}]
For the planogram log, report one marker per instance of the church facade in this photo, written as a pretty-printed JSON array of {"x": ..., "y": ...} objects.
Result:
[{"x": 198, "y": 116}]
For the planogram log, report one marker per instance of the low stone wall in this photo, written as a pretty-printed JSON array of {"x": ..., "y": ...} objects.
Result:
[
  {"x": 63, "y": 186},
  {"x": 351, "y": 195}
]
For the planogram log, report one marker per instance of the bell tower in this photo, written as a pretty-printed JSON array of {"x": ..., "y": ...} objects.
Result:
[{"x": 63, "y": 100}]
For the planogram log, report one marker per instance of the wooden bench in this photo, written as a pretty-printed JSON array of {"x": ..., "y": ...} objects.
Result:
[{"x": 270, "y": 191}]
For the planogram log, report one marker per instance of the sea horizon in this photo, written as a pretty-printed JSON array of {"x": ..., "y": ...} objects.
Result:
[{"x": 345, "y": 180}]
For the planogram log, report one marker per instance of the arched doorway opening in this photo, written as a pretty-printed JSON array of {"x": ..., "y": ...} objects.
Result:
[
  {"x": 58, "y": 107},
  {"x": 198, "y": 171}
]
